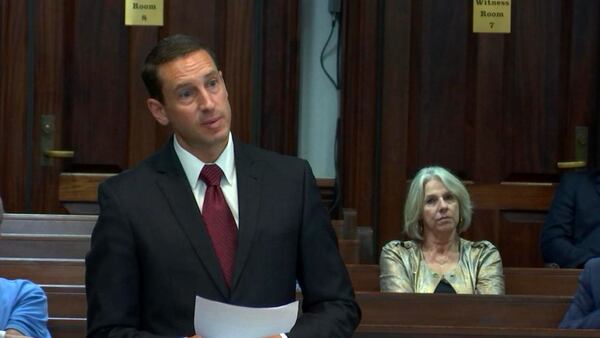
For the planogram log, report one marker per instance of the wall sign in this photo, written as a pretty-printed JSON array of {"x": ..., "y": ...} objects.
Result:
[
  {"x": 491, "y": 16},
  {"x": 144, "y": 12}
]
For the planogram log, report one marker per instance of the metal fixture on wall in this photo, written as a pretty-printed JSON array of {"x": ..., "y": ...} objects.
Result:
[{"x": 47, "y": 142}]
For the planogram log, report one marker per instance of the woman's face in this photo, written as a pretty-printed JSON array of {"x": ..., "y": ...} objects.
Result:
[{"x": 440, "y": 208}]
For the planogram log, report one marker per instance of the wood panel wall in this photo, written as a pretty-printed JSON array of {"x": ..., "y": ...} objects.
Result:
[
  {"x": 13, "y": 102},
  {"x": 85, "y": 71},
  {"x": 419, "y": 88}
]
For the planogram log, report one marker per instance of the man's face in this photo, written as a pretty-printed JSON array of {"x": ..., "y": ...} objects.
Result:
[{"x": 195, "y": 104}]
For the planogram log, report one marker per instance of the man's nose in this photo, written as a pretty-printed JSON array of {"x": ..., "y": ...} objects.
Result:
[{"x": 206, "y": 101}]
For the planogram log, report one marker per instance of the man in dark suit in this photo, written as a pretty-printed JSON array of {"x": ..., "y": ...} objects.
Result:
[
  {"x": 154, "y": 247},
  {"x": 584, "y": 312},
  {"x": 571, "y": 231}
]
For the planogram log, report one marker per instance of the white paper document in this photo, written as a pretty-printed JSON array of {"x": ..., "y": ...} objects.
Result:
[{"x": 219, "y": 320}]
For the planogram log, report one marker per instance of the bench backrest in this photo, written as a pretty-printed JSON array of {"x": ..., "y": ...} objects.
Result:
[
  {"x": 518, "y": 281},
  {"x": 463, "y": 310}
]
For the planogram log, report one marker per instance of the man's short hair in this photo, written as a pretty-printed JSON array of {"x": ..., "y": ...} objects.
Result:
[{"x": 166, "y": 50}]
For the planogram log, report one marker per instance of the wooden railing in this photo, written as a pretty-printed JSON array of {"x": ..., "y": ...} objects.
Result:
[{"x": 78, "y": 192}]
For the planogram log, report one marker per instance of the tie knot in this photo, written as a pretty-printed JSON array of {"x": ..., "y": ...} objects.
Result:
[{"x": 211, "y": 175}]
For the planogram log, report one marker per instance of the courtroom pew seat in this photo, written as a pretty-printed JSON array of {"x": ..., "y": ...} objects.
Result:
[
  {"x": 48, "y": 224},
  {"x": 67, "y": 327},
  {"x": 364, "y": 277},
  {"x": 66, "y": 301},
  {"x": 67, "y": 306},
  {"x": 356, "y": 243},
  {"x": 44, "y": 271},
  {"x": 44, "y": 246},
  {"x": 68, "y": 236},
  {"x": 516, "y": 311},
  {"x": 46, "y": 235},
  {"x": 518, "y": 281},
  {"x": 398, "y": 315},
  {"x": 76, "y": 328},
  {"x": 415, "y": 331}
]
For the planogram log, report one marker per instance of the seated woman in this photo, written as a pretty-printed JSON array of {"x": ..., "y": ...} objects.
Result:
[{"x": 436, "y": 259}]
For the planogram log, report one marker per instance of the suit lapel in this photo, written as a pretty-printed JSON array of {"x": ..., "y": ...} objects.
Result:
[
  {"x": 175, "y": 187},
  {"x": 249, "y": 192}
]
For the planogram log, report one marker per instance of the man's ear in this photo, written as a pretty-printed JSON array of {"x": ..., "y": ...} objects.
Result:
[{"x": 158, "y": 111}]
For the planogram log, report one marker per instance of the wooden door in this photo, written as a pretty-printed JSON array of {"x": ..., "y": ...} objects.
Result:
[{"x": 71, "y": 78}]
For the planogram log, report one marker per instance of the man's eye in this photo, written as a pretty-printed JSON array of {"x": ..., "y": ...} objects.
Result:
[
  {"x": 212, "y": 83},
  {"x": 185, "y": 93}
]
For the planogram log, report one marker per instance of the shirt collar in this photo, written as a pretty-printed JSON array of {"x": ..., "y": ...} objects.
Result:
[{"x": 192, "y": 166}]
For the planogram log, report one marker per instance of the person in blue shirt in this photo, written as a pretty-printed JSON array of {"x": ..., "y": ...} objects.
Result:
[
  {"x": 584, "y": 312},
  {"x": 23, "y": 307}
]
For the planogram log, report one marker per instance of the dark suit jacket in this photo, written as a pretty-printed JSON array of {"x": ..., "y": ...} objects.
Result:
[
  {"x": 571, "y": 233},
  {"x": 584, "y": 312},
  {"x": 151, "y": 254}
]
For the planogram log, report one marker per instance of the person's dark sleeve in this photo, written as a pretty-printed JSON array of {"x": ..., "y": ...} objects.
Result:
[
  {"x": 582, "y": 314},
  {"x": 556, "y": 238},
  {"x": 329, "y": 309},
  {"x": 112, "y": 274},
  {"x": 30, "y": 311}
]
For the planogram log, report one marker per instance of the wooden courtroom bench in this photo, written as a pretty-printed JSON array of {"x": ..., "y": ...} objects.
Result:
[
  {"x": 518, "y": 281},
  {"x": 46, "y": 235},
  {"x": 356, "y": 243},
  {"x": 66, "y": 301},
  {"x": 67, "y": 327},
  {"x": 426, "y": 331},
  {"x": 68, "y": 236},
  {"x": 47, "y": 224},
  {"x": 516, "y": 311},
  {"x": 44, "y": 270},
  {"x": 66, "y": 310},
  {"x": 399, "y": 315}
]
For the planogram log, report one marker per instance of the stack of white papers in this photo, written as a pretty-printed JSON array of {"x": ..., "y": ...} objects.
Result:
[{"x": 219, "y": 320}]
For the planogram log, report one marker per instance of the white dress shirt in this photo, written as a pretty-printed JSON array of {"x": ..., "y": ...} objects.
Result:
[{"x": 192, "y": 166}]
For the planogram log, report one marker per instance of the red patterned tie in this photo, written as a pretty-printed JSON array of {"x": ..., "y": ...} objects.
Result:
[{"x": 219, "y": 220}]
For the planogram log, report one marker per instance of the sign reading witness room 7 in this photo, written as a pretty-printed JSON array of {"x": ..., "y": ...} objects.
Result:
[{"x": 491, "y": 16}]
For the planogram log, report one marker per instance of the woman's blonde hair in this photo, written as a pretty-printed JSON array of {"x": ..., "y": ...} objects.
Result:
[{"x": 413, "y": 208}]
